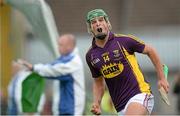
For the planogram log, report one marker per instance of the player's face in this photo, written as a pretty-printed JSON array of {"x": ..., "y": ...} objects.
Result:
[{"x": 99, "y": 25}]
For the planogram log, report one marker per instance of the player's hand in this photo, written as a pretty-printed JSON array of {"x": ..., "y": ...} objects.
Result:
[
  {"x": 16, "y": 67},
  {"x": 95, "y": 109},
  {"x": 25, "y": 63},
  {"x": 163, "y": 83}
]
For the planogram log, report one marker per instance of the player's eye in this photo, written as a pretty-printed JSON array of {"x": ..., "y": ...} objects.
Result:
[{"x": 93, "y": 21}]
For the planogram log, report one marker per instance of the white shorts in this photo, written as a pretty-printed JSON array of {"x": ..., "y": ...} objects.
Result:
[{"x": 147, "y": 100}]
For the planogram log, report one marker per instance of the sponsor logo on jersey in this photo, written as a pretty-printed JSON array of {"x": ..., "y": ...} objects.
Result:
[{"x": 112, "y": 70}]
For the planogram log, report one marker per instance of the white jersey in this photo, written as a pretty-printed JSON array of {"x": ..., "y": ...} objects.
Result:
[{"x": 69, "y": 91}]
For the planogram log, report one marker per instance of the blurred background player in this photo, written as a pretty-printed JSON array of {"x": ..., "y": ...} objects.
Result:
[{"x": 68, "y": 69}]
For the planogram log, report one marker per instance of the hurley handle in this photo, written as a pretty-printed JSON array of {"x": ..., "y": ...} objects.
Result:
[{"x": 165, "y": 70}]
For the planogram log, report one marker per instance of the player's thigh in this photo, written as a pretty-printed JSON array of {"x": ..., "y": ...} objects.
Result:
[
  {"x": 136, "y": 108},
  {"x": 139, "y": 102}
]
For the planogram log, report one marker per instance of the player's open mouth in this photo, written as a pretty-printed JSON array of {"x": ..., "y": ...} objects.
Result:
[{"x": 100, "y": 35}]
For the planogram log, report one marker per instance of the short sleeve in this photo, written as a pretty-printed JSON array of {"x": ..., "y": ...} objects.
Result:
[{"x": 134, "y": 44}]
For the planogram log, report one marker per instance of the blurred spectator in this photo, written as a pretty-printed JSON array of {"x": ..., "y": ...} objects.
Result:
[
  {"x": 69, "y": 92},
  {"x": 177, "y": 90}
]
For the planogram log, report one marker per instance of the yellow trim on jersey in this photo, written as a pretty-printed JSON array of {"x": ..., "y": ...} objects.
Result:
[
  {"x": 130, "y": 36},
  {"x": 144, "y": 87}
]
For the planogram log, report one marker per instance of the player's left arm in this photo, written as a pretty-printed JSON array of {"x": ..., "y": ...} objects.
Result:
[{"x": 153, "y": 55}]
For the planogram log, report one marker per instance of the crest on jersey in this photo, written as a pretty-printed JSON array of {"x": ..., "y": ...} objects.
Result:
[{"x": 116, "y": 53}]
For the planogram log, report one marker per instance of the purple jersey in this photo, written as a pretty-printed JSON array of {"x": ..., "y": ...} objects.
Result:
[{"x": 117, "y": 63}]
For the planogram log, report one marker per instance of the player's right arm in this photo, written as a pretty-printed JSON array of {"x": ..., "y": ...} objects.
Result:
[
  {"x": 98, "y": 84},
  {"x": 98, "y": 91}
]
